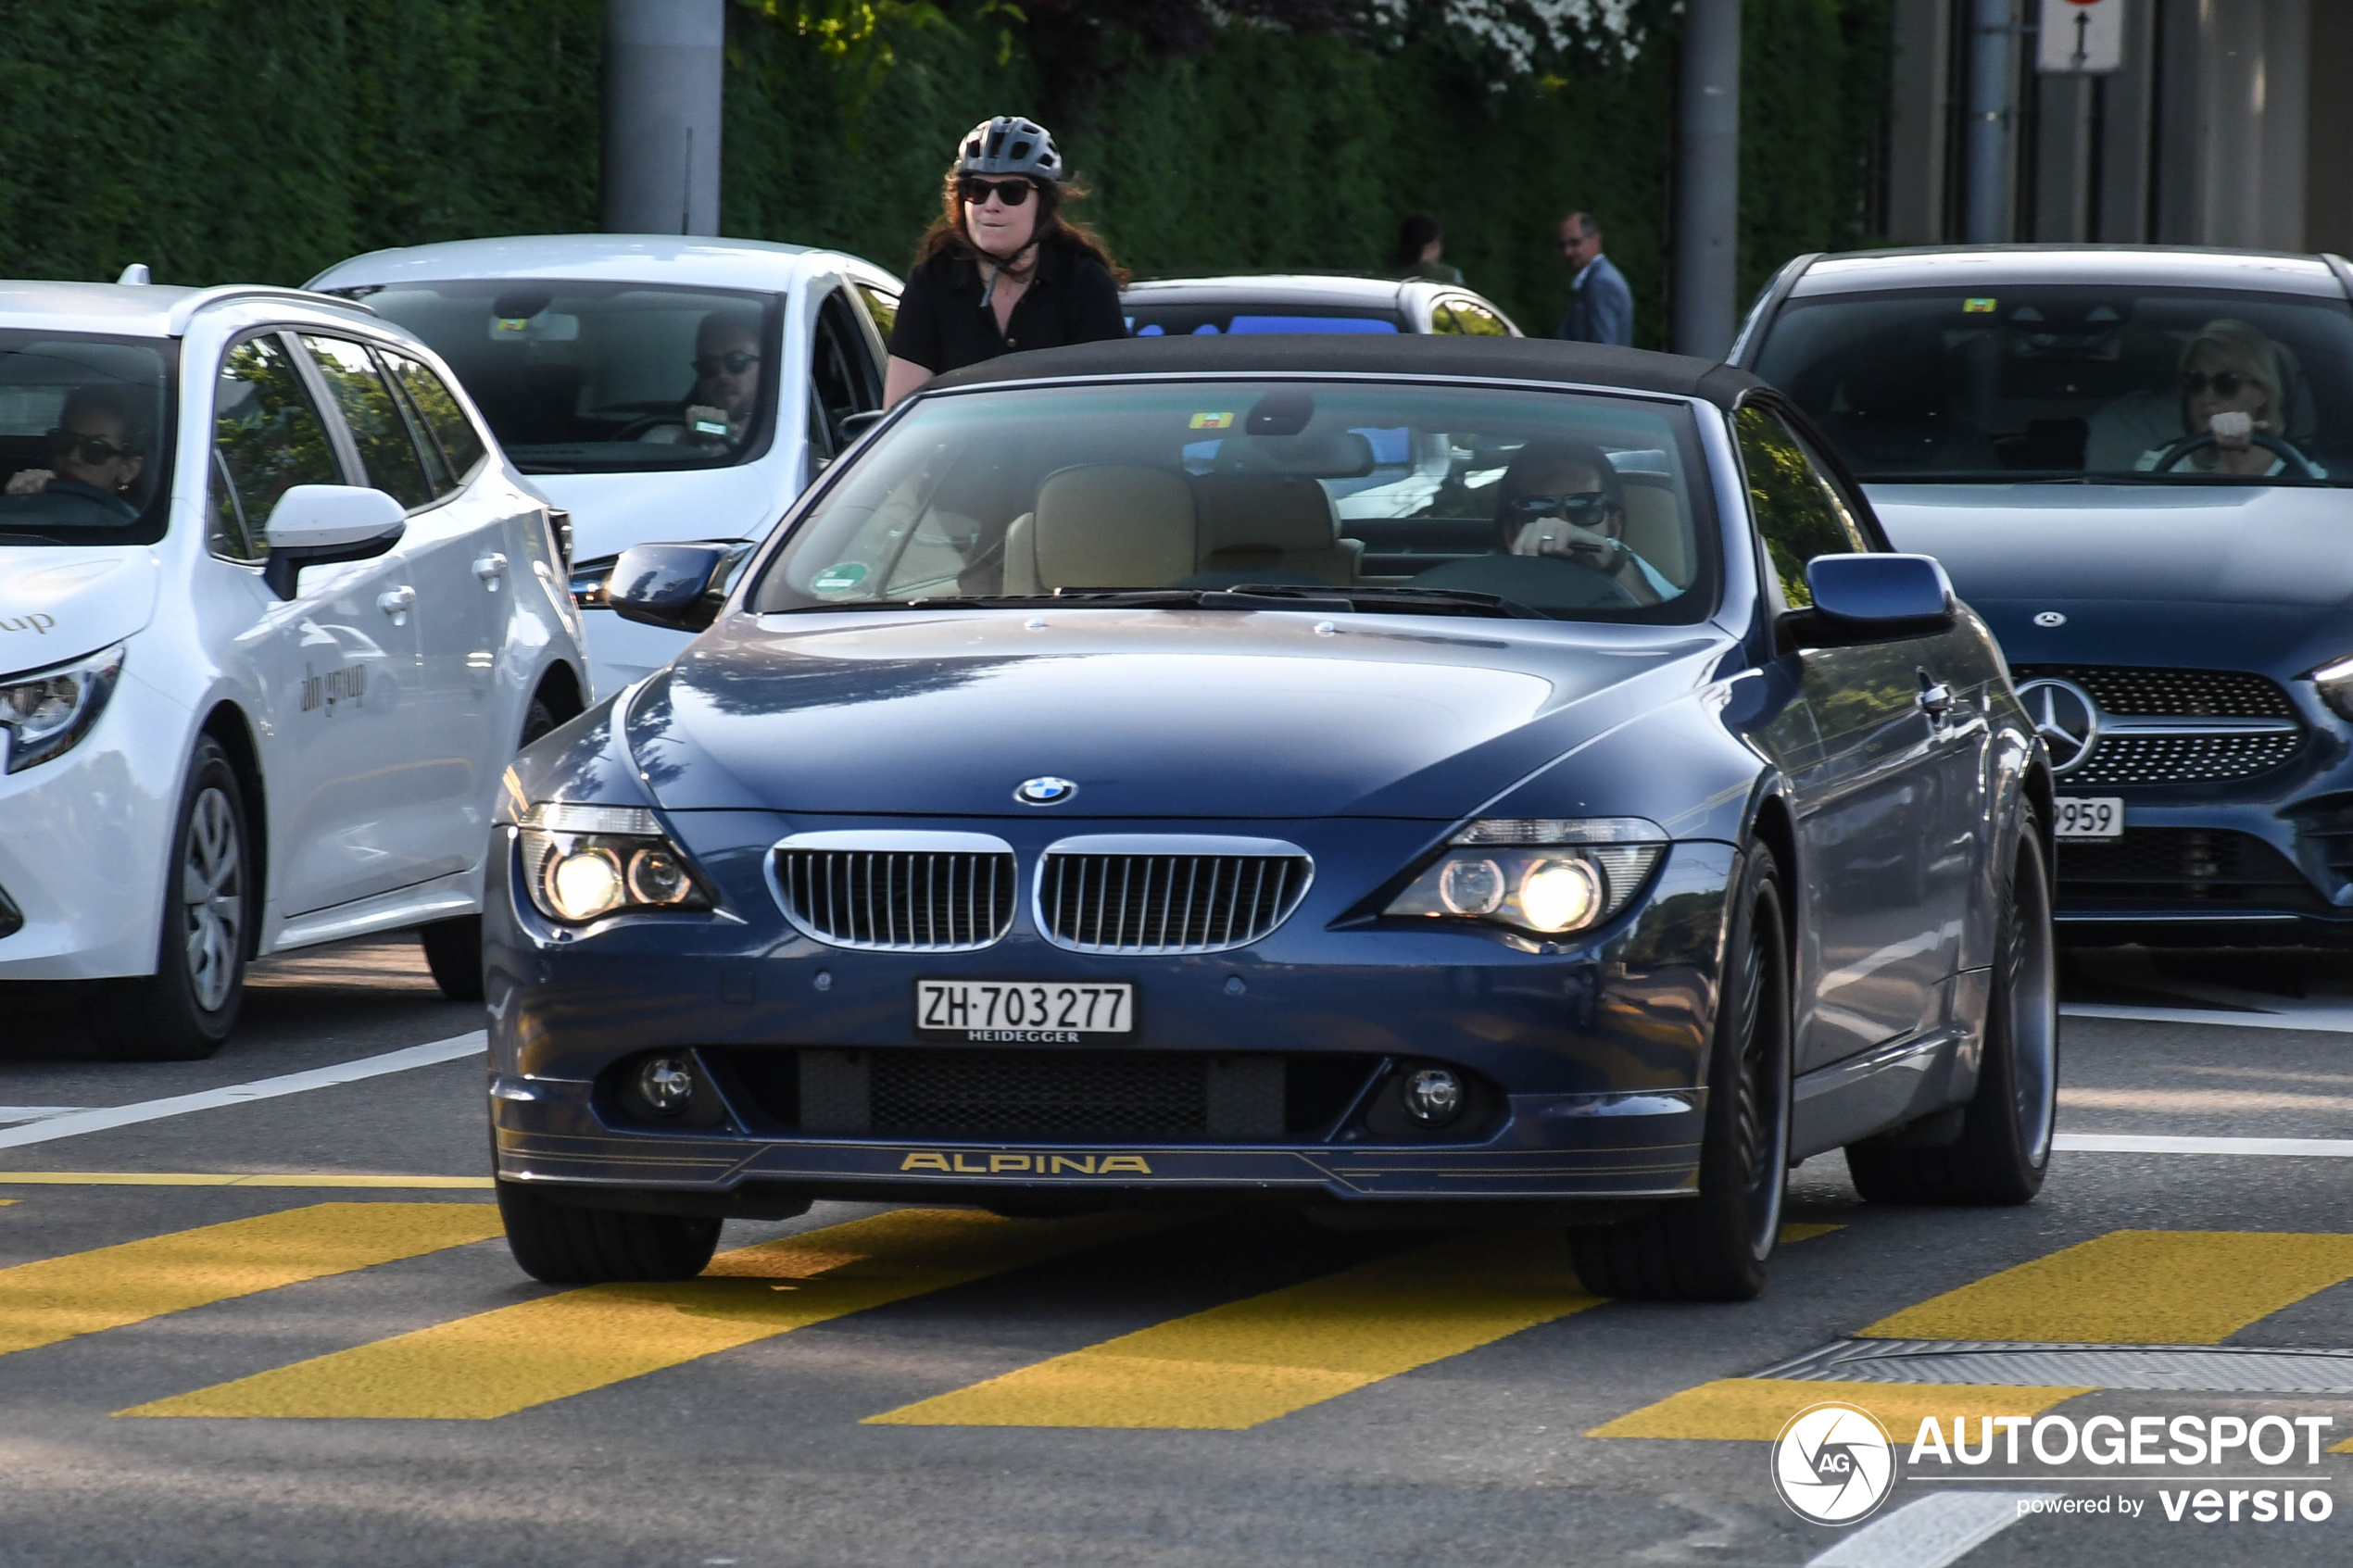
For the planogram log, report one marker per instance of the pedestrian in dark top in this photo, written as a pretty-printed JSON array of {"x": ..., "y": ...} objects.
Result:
[
  {"x": 1601, "y": 307},
  {"x": 1002, "y": 270},
  {"x": 1421, "y": 244}
]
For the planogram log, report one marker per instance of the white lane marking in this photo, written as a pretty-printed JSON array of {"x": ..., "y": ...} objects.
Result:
[
  {"x": 75, "y": 1123},
  {"x": 2320, "y": 1019},
  {"x": 10, "y": 1114},
  {"x": 1940, "y": 1528},
  {"x": 2166, "y": 1143}
]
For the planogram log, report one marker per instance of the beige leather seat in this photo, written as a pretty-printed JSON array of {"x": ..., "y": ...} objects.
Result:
[
  {"x": 1655, "y": 526},
  {"x": 1103, "y": 526},
  {"x": 1273, "y": 521}
]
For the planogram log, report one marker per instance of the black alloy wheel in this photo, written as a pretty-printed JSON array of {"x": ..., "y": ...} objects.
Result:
[
  {"x": 1718, "y": 1246},
  {"x": 185, "y": 1009},
  {"x": 565, "y": 1246},
  {"x": 2003, "y": 1150},
  {"x": 453, "y": 947}
]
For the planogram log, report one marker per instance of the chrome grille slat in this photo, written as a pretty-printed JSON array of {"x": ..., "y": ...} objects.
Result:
[
  {"x": 1159, "y": 899},
  {"x": 2164, "y": 726},
  {"x": 896, "y": 896}
]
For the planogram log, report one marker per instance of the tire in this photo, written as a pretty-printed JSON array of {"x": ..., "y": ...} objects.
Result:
[
  {"x": 453, "y": 947},
  {"x": 564, "y": 1246},
  {"x": 185, "y": 1010},
  {"x": 1718, "y": 1246},
  {"x": 2004, "y": 1147}
]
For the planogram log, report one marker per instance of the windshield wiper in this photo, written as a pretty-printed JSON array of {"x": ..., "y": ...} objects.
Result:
[
  {"x": 26, "y": 537},
  {"x": 1242, "y": 595},
  {"x": 1414, "y": 601}
]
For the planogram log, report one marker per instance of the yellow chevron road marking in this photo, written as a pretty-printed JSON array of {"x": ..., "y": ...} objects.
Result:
[
  {"x": 2129, "y": 1287},
  {"x": 231, "y": 1179},
  {"x": 1246, "y": 1362},
  {"x": 57, "y": 1298},
  {"x": 498, "y": 1363},
  {"x": 1755, "y": 1409}
]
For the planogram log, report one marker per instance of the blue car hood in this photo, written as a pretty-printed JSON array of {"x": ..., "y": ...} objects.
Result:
[
  {"x": 1152, "y": 713},
  {"x": 2252, "y": 577}
]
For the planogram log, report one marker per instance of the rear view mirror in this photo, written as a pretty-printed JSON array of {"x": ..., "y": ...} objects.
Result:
[
  {"x": 325, "y": 524},
  {"x": 1870, "y": 598},
  {"x": 1343, "y": 453},
  {"x": 680, "y": 586}
]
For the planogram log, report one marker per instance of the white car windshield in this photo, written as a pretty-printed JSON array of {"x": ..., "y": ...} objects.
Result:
[
  {"x": 1577, "y": 506},
  {"x": 85, "y": 439},
  {"x": 595, "y": 378},
  {"x": 2128, "y": 384}
]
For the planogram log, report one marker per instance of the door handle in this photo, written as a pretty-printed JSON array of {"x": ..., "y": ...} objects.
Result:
[
  {"x": 396, "y": 602},
  {"x": 1936, "y": 698},
  {"x": 491, "y": 568}
]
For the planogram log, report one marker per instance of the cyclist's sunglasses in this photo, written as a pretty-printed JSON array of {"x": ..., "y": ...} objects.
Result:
[
  {"x": 1012, "y": 193},
  {"x": 1586, "y": 508},
  {"x": 736, "y": 361},
  {"x": 89, "y": 448},
  {"x": 2226, "y": 384}
]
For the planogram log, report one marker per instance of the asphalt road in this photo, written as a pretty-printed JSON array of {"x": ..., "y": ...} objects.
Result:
[{"x": 306, "y": 1370}]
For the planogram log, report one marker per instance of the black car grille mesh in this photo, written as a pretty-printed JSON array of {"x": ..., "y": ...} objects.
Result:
[
  {"x": 903, "y": 901},
  {"x": 2140, "y": 760},
  {"x": 2178, "y": 866},
  {"x": 1040, "y": 1094},
  {"x": 2193, "y": 694},
  {"x": 1167, "y": 903}
]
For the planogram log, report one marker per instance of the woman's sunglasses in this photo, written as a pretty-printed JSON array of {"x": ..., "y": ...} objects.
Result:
[
  {"x": 89, "y": 448},
  {"x": 2226, "y": 384},
  {"x": 1586, "y": 508},
  {"x": 1012, "y": 193},
  {"x": 734, "y": 362}
]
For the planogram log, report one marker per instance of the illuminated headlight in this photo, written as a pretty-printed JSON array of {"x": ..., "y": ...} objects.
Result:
[
  {"x": 2335, "y": 681},
  {"x": 591, "y": 582},
  {"x": 583, "y": 862},
  {"x": 1545, "y": 876},
  {"x": 45, "y": 714}
]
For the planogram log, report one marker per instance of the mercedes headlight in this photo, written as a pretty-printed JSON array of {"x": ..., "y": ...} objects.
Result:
[
  {"x": 2335, "y": 681},
  {"x": 584, "y": 862},
  {"x": 1546, "y": 876},
  {"x": 45, "y": 714}
]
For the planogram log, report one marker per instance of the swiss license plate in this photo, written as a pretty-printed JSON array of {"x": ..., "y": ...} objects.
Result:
[
  {"x": 2090, "y": 816},
  {"x": 1038, "y": 1012}
]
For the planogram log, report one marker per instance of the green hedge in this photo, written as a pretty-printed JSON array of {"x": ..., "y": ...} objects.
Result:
[{"x": 260, "y": 139}]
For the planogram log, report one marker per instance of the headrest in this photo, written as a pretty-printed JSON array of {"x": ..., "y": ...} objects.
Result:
[
  {"x": 1111, "y": 526},
  {"x": 1271, "y": 511}
]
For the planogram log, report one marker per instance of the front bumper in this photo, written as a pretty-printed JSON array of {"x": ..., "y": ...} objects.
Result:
[{"x": 1589, "y": 1056}]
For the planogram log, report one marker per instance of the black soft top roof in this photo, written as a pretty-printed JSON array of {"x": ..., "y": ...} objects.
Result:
[{"x": 1540, "y": 359}]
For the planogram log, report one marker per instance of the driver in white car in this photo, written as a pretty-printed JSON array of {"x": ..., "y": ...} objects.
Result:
[{"x": 96, "y": 452}]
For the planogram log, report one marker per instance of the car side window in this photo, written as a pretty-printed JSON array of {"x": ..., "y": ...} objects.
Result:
[
  {"x": 461, "y": 444},
  {"x": 1799, "y": 513},
  {"x": 267, "y": 438},
  {"x": 1470, "y": 317},
  {"x": 883, "y": 306},
  {"x": 841, "y": 374},
  {"x": 370, "y": 412}
]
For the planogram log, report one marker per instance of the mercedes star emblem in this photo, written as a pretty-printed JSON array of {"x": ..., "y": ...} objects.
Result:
[
  {"x": 1045, "y": 791},
  {"x": 2064, "y": 716},
  {"x": 2048, "y": 619}
]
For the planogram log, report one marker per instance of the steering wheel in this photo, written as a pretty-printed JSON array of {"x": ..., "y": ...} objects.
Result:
[{"x": 2271, "y": 444}]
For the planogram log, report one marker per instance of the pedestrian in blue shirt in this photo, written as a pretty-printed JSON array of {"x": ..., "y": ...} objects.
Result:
[{"x": 1601, "y": 307}]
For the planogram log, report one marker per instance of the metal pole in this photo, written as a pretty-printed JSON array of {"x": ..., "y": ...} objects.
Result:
[
  {"x": 1986, "y": 195},
  {"x": 1708, "y": 180},
  {"x": 664, "y": 63}
]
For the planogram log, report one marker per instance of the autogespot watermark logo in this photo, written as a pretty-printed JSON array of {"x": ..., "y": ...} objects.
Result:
[{"x": 1833, "y": 1463}]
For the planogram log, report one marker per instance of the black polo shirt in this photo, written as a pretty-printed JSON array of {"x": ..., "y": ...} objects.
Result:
[{"x": 943, "y": 325}]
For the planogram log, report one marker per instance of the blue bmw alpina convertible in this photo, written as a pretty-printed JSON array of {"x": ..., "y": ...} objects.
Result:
[{"x": 1416, "y": 779}]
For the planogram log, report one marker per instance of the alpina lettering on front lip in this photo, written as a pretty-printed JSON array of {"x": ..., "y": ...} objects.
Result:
[
  {"x": 1045, "y": 791},
  {"x": 962, "y": 1163}
]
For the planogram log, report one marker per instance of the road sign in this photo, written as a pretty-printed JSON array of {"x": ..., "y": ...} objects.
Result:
[{"x": 2082, "y": 37}]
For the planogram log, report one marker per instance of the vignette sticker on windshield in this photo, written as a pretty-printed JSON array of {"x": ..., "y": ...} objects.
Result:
[
  {"x": 1978, "y": 306},
  {"x": 1212, "y": 421},
  {"x": 838, "y": 577}
]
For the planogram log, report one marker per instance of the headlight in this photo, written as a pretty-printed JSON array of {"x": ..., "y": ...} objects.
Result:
[
  {"x": 46, "y": 713},
  {"x": 2335, "y": 681},
  {"x": 591, "y": 581},
  {"x": 1542, "y": 875},
  {"x": 583, "y": 862}
]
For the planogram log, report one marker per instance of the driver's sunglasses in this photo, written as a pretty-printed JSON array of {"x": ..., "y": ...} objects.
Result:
[
  {"x": 2226, "y": 384},
  {"x": 89, "y": 448},
  {"x": 1012, "y": 193},
  {"x": 1586, "y": 508},
  {"x": 734, "y": 362}
]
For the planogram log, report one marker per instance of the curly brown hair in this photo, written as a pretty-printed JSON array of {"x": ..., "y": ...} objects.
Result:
[{"x": 947, "y": 235}]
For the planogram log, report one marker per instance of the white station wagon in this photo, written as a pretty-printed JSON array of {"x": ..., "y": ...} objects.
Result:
[{"x": 274, "y": 614}]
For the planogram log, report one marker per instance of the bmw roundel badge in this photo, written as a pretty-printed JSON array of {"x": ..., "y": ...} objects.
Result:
[{"x": 1045, "y": 791}]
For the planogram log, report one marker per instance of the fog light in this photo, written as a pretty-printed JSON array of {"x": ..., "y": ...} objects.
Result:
[
  {"x": 1434, "y": 1097},
  {"x": 668, "y": 1085}
]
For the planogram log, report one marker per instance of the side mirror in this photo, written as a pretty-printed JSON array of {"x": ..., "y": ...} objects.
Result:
[
  {"x": 853, "y": 426},
  {"x": 326, "y": 524},
  {"x": 1872, "y": 598},
  {"x": 680, "y": 586}
]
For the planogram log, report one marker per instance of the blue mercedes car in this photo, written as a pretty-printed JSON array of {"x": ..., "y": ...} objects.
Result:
[
  {"x": 2137, "y": 465},
  {"x": 1400, "y": 776}
]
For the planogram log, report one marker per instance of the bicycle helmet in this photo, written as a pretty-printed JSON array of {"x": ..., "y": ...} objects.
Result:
[{"x": 1011, "y": 145}]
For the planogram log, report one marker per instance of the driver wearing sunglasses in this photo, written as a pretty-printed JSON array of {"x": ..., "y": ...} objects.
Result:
[
  {"x": 1563, "y": 498},
  {"x": 726, "y": 389},
  {"x": 95, "y": 455}
]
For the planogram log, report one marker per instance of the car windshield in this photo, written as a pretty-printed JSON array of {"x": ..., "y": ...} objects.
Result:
[
  {"x": 580, "y": 378},
  {"x": 85, "y": 439},
  {"x": 1149, "y": 317},
  {"x": 1401, "y": 496},
  {"x": 2129, "y": 384}
]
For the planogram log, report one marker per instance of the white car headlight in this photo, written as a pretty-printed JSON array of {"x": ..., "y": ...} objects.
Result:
[
  {"x": 583, "y": 862},
  {"x": 46, "y": 713},
  {"x": 1542, "y": 875}
]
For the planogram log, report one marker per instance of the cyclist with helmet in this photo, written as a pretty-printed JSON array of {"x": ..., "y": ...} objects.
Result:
[{"x": 1002, "y": 270}]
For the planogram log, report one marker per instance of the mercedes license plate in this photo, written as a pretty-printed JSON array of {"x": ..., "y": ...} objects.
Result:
[
  {"x": 2090, "y": 816},
  {"x": 1036, "y": 1013}
]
